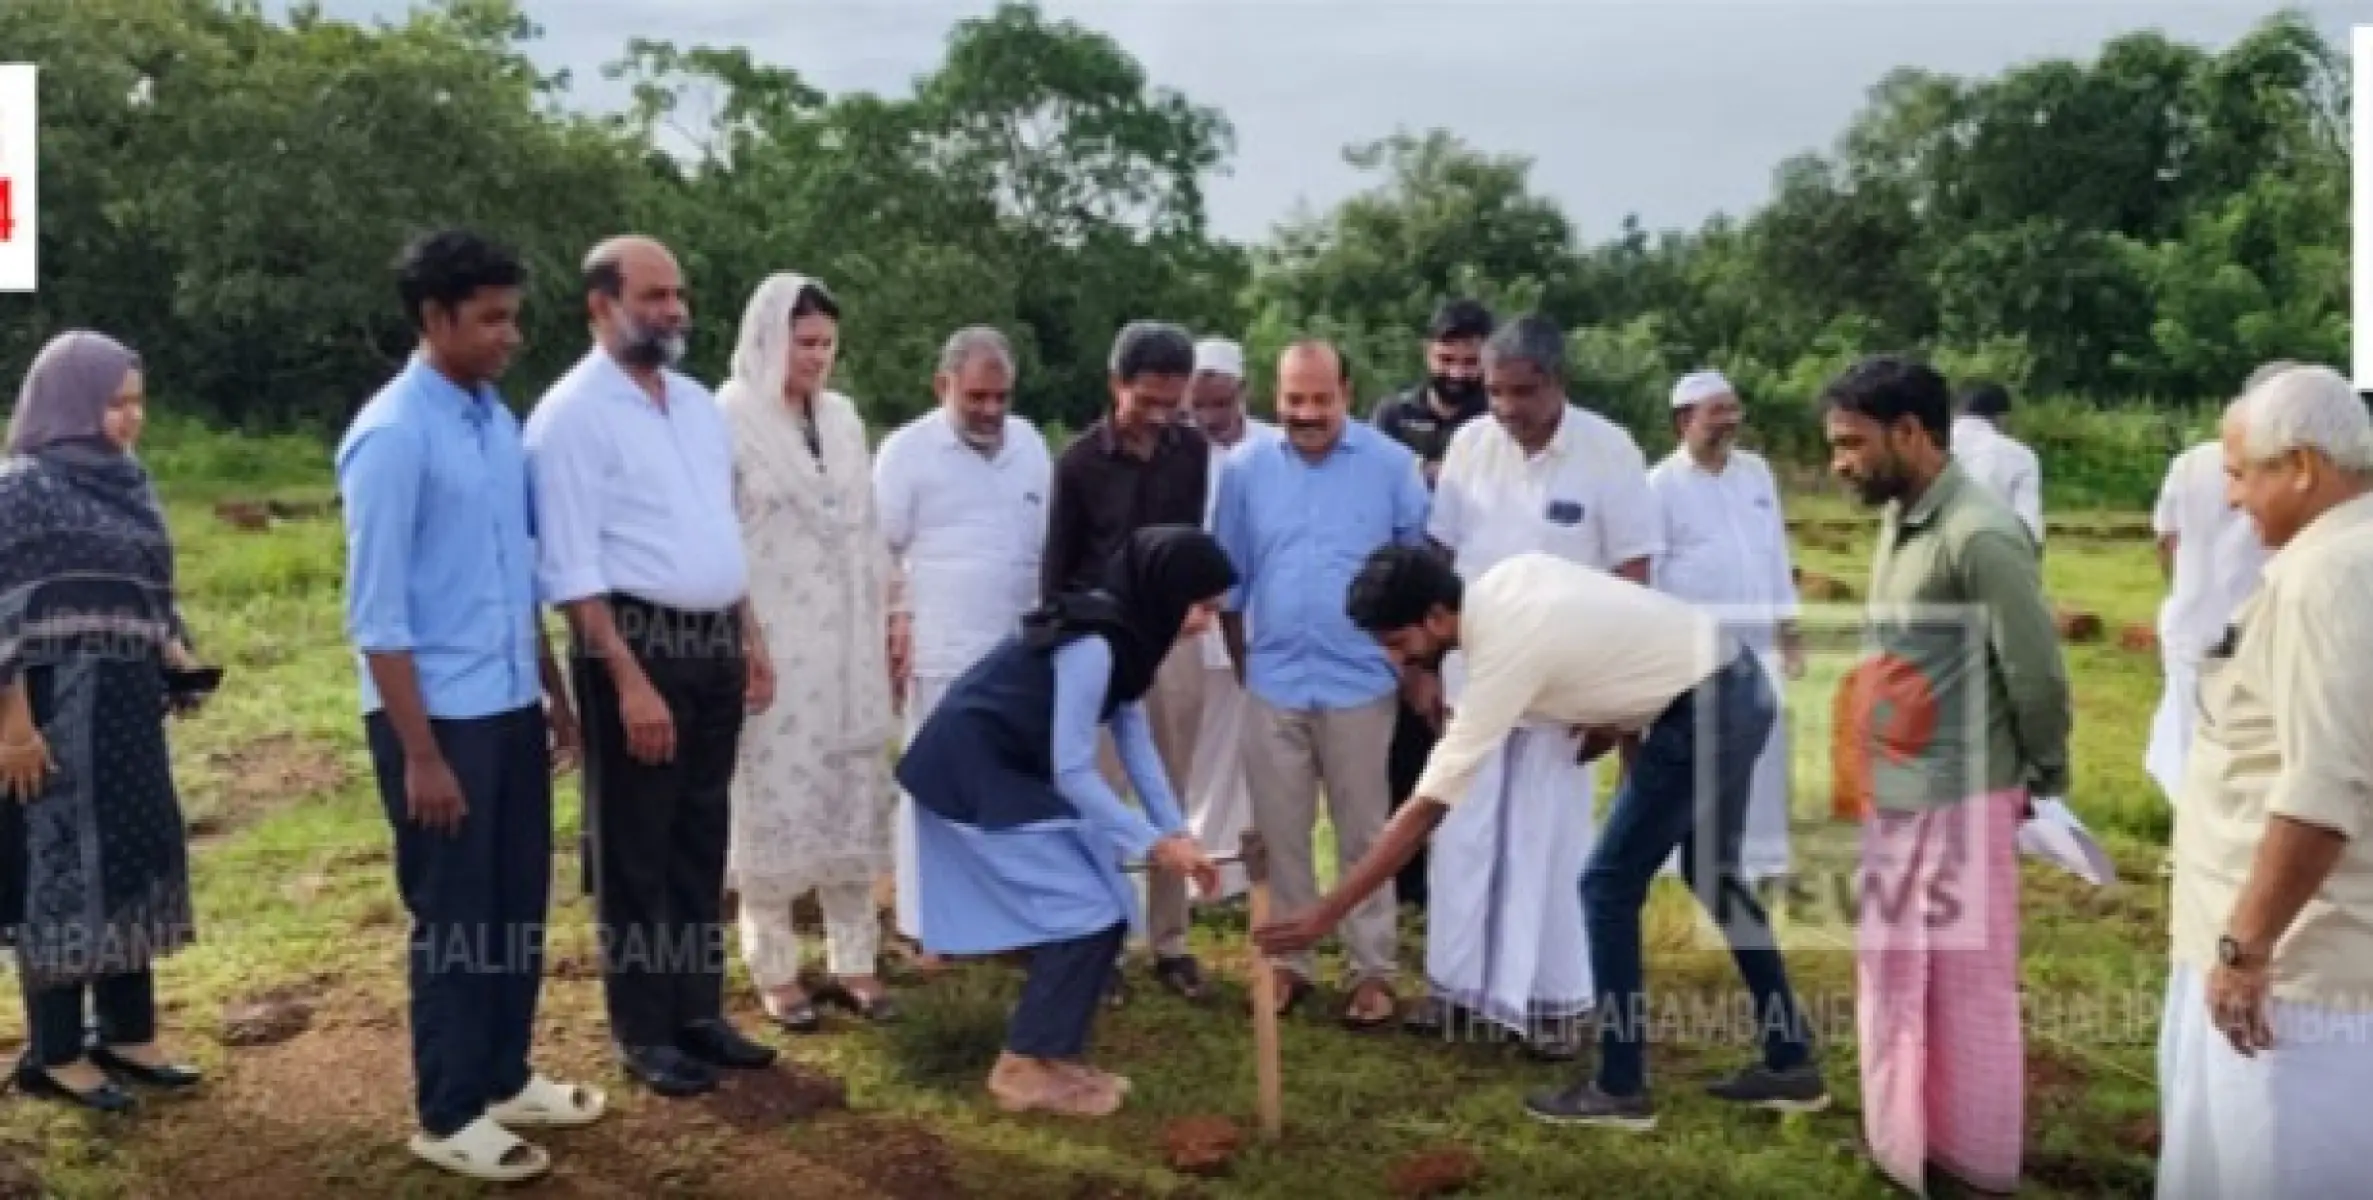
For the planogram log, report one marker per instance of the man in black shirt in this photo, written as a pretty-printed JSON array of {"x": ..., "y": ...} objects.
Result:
[
  {"x": 1141, "y": 464},
  {"x": 1423, "y": 418}
]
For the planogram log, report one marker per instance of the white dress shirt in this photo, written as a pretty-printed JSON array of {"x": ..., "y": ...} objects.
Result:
[
  {"x": 2005, "y": 465},
  {"x": 2217, "y": 552},
  {"x": 1583, "y": 498},
  {"x": 631, "y": 497},
  {"x": 968, "y": 529},
  {"x": 1725, "y": 542},
  {"x": 1548, "y": 640},
  {"x": 1256, "y": 432}
]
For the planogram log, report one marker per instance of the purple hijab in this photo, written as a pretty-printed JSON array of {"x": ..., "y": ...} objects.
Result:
[{"x": 67, "y": 391}]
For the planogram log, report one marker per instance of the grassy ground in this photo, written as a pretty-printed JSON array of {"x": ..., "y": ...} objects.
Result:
[{"x": 296, "y": 902}]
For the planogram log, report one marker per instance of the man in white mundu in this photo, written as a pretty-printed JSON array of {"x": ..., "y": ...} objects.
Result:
[
  {"x": 1726, "y": 551},
  {"x": 961, "y": 492},
  {"x": 2211, "y": 555},
  {"x": 1218, "y": 802},
  {"x": 1505, "y": 939}
]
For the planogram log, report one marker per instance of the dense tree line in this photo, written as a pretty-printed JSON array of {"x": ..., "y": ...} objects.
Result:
[{"x": 226, "y": 191}]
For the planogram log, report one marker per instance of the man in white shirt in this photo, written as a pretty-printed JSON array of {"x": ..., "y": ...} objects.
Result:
[
  {"x": 961, "y": 494},
  {"x": 2210, "y": 555},
  {"x": 2266, "y": 1044},
  {"x": 1553, "y": 641},
  {"x": 1504, "y": 933},
  {"x": 631, "y": 469},
  {"x": 1996, "y": 459},
  {"x": 1726, "y": 550},
  {"x": 1219, "y": 803}
]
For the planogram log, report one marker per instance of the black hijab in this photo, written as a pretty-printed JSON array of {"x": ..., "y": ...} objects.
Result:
[{"x": 1155, "y": 576}]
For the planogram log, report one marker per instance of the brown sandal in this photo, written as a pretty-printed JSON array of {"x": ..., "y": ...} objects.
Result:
[{"x": 1352, "y": 1019}]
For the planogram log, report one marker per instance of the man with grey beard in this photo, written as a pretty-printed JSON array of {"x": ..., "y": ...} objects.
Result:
[{"x": 631, "y": 469}]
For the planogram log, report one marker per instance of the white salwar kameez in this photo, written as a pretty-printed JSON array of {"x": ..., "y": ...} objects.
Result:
[
  {"x": 967, "y": 528},
  {"x": 2217, "y": 560},
  {"x": 1218, "y": 800},
  {"x": 811, "y": 791},
  {"x": 2288, "y": 1123},
  {"x": 1505, "y": 936},
  {"x": 1726, "y": 550}
]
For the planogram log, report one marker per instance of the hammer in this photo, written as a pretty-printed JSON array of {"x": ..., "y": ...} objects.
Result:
[{"x": 1267, "y": 1070}]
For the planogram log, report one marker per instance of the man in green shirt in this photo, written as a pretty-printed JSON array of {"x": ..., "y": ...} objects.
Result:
[{"x": 1974, "y": 721}]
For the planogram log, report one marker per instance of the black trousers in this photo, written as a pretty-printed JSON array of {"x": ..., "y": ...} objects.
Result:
[
  {"x": 659, "y": 829},
  {"x": 55, "y": 1027},
  {"x": 478, "y": 899},
  {"x": 1412, "y": 741},
  {"x": 1060, "y": 997}
]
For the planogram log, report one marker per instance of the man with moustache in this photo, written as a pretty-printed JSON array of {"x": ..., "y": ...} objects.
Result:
[
  {"x": 1506, "y": 938},
  {"x": 961, "y": 495},
  {"x": 1139, "y": 465},
  {"x": 632, "y": 470},
  {"x": 1297, "y": 516},
  {"x": 1424, "y": 418},
  {"x": 1956, "y": 607},
  {"x": 1219, "y": 804},
  {"x": 1726, "y": 551}
]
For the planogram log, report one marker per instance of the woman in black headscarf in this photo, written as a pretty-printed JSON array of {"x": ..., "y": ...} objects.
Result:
[
  {"x": 94, "y": 872},
  {"x": 1022, "y": 839}
]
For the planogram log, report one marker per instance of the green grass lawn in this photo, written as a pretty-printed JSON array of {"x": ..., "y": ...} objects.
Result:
[{"x": 295, "y": 899}]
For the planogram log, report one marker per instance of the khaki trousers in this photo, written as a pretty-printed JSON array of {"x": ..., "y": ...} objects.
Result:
[
  {"x": 1290, "y": 755},
  {"x": 1174, "y": 706}
]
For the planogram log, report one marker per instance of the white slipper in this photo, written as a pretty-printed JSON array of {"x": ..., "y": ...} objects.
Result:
[
  {"x": 484, "y": 1151},
  {"x": 543, "y": 1104}
]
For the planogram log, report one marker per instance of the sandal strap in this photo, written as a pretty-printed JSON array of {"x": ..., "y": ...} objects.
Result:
[{"x": 485, "y": 1144}]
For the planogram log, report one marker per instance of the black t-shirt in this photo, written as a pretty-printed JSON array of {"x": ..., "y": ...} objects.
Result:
[{"x": 1411, "y": 419}]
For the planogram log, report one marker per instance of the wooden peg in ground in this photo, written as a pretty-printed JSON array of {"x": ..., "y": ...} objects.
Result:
[{"x": 1267, "y": 1069}]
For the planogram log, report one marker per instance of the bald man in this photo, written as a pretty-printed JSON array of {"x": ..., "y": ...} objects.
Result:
[{"x": 631, "y": 468}]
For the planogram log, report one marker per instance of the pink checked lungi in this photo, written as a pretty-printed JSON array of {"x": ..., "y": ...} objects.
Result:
[{"x": 1937, "y": 960}]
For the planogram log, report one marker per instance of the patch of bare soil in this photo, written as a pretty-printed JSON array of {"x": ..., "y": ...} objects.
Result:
[
  {"x": 1441, "y": 1171},
  {"x": 262, "y": 776},
  {"x": 783, "y": 1093},
  {"x": 905, "y": 1161},
  {"x": 1201, "y": 1145}
]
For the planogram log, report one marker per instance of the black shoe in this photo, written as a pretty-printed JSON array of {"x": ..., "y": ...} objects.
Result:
[
  {"x": 108, "y": 1097},
  {"x": 170, "y": 1076},
  {"x": 1181, "y": 974},
  {"x": 1797, "y": 1089},
  {"x": 721, "y": 1045},
  {"x": 665, "y": 1070},
  {"x": 1584, "y": 1104},
  {"x": 1553, "y": 1044}
]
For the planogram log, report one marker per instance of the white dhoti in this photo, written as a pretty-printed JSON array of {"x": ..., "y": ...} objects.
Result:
[
  {"x": 2288, "y": 1123},
  {"x": 2171, "y": 726},
  {"x": 1504, "y": 914},
  {"x": 1218, "y": 801},
  {"x": 1763, "y": 846},
  {"x": 922, "y": 696}
]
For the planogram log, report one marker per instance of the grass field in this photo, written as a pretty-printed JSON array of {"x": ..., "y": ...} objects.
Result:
[{"x": 296, "y": 902}]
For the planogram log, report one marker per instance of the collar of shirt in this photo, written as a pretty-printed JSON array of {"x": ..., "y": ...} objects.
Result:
[
  {"x": 1419, "y": 400},
  {"x": 2353, "y": 516},
  {"x": 1346, "y": 442},
  {"x": 474, "y": 406},
  {"x": 946, "y": 436},
  {"x": 1941, "y": 492},
  {"x": 613, "y": 380}
]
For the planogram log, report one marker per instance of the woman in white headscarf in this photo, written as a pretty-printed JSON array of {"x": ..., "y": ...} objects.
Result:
[{"x": 812, "y": 798}]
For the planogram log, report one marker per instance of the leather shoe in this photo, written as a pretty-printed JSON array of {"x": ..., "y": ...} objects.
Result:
[
  {"x": 171, "y": 1076},
  {"x": 721, "y": 1045},
  {"x": 665, "y": 1070},
  {"x": 108, "y": 1097}
]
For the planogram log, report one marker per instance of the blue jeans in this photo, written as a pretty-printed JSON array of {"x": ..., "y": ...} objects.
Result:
[{"x": 1718, "y": 727}]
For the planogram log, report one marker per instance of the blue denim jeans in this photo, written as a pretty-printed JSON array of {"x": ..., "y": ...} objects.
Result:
[{"x": 1688, "y": 788}]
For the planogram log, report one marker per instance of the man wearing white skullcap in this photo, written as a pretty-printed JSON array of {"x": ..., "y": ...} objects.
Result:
[
  {"x": 2266, "y": 1044},
  {"x": 1219, "y": 804},
  {"x": 1726, "y": 550}
]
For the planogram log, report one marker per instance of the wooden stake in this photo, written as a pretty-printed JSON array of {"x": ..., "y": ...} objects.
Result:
[{"x": 1268, "y": 1070}]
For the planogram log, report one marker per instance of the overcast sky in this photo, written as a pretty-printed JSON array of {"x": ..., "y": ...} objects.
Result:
[{"x": 1673, "y": 109}]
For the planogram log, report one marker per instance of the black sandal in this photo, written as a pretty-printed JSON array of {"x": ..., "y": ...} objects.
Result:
[
  {"x": 878, "y": 1009},
  {"x": 1353, "y": 1021},
  {"x": 1181, "y": 974},
  {"x": 797, "y": 1018},
  {"x": 1293, "y": 994}
]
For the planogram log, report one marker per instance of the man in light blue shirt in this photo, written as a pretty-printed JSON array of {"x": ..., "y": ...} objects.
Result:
[
  {"x": 1297, "y": 516},
  {"x": 632, "y": 471},
  {"x": 441, "y": 605}
]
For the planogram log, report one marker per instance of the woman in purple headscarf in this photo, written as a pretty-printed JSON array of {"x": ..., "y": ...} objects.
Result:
[{"x": 94, "y": 871}]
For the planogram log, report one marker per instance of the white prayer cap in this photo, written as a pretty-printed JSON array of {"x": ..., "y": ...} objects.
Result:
[
  {"x": 1697, "y": 387},
  {"x": 1220, "y": 357}
]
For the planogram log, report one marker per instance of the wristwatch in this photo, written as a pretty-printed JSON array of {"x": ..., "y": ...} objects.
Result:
[{"x": 2229, "y": 951}]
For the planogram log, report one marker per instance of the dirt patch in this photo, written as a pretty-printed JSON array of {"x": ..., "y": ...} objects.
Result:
[
  {"x": 1814, "y": 586},
  {"x": 18, "y": 1179},
  {"x": 254, "y": 516},
  {"x": 2047, "y": 1074},
  {"x": 784, "y": 1093},
  {"x": 1201, "y": 1145},
  {"x": 264, "y": 775},
  {"x": 905, "y": 1161},
  {"x": 1441, "y": 1171},
  {"x": 2141, "y": 1135},
  {"x": 2139, "y": 638},
  {"x": 2076, "y": 625},
  {"x": 267, "y": 1019}
]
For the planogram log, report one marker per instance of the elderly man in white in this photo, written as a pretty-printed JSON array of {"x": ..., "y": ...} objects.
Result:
[
  {"x": 1726, "y": 551},
  {"x": 961, "y": 492},
  {"x": 1219, "y": 803},
  {"x": 2210, "y": 554},
  {"x": 1504, "y": 938},
  {"x": 2266, "y": 1046},
  {"x": 1996, "y": 459}
]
